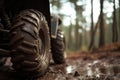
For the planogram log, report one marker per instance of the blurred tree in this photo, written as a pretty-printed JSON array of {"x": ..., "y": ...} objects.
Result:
[
  {"x": 114, "y": 26},
  {"x": 56, "y": 3},
  {"x": 79, "y": 10},
  {"x": 70, "y": 41},
  {"x": 119, "y": 20},
  {"x": 73, "y": 1},
  {"x": 102, "y": 31},
  {"x": 76, "y": 24},
  {"x": 92, "y": 27}
]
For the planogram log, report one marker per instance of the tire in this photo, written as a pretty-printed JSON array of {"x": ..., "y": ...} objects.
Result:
[
  {"x": 58, "y": 48},
  {"x": 2, "y": 41},
  {"x": 30, "y": 44},
  {"x": 2, "y": 61}
]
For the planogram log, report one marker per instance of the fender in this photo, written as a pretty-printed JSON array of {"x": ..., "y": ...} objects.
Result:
[
  {"x": 15, "y": 6},
  {"x": 54, "y": 26}
]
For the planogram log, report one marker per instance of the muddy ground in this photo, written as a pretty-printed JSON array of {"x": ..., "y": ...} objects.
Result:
[{"x": 79, "y": 66}]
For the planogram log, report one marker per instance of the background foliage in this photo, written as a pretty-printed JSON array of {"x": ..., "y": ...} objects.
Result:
[{"x": 88, "y": 24}]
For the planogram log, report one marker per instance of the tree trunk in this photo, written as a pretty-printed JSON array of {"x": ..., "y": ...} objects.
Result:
[
  {"x": 102, "y": 32},
  {"x": 114, "y": 26},
  {"x": 76, "y": 29},
  {"x": 92, "y": 28},
  {"x": 119, "y": 20},
  {"x": 76, "y": 35},
  {"x": 70, "y": 37}
]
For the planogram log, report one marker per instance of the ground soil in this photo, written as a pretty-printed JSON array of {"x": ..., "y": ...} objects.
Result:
[{"x": 101, "y": 64}]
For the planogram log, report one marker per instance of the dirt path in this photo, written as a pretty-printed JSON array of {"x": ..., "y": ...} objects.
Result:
[{"x": 84, "y": 66}]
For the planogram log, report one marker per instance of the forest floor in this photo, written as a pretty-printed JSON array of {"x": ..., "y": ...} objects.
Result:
[{"x": 101, "y": 64}]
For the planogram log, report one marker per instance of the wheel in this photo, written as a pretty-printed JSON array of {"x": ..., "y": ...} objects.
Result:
[
  {"x": 30, "y": 44},
  {"x": 58, "y": 48},
  {"x": 2, "y": 41}
]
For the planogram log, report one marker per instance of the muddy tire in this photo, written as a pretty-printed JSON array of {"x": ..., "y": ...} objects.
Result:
[
  {"x": 30, "y": 44},
  {"x": 2, "y": 61},
  {"x": 2, "y": 41},
  {"x": 58, "y": 48}
]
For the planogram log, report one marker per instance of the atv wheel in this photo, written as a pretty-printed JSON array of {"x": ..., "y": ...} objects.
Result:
[
  {"x": 30, "y": 44},
  {"x": 3, "y": 40},
  {"x": 58, "y": 48}
]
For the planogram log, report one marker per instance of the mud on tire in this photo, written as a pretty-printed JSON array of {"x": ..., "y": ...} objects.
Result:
[
  {"x": 58, "y": 48},
  {"x": 30, "y": 44}
]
